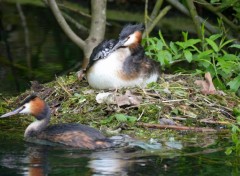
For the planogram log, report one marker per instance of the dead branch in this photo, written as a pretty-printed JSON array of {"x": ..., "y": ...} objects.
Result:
[
  {"x": 156, "y": 9},
  {"x": 73, "y": 21},
  {"x": 195, "y": 17},
  {"x": 184, "y": 10},
  {"x": 215, "y": 122},
  {"x": 26, "y": 37},
  {"x": 97, "y": 29},
  {"x": 63, "y": 24},
  {"x": 157, "y": 19},
  {"x": 74, "y": 10}
]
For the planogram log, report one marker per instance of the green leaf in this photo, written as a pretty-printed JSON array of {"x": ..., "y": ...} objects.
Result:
[
  {"x": 125, "y": 118},
  {"x": 150, "y": 54},
  {"x": 228, "y": 150},
  {"x": 238, "y": 120},
  {"x": 234, "y": 128},
  {"x": 215, "y": 36},
  {"x": 121, "y": 117},
  {"x": 235, "y": 46},
  {"x": 175, "y": 111},
  {"x": 107, "y": 120},
  {"x": 173, "y": 48},
  {"x": 227, "y": 42},
  {"x": 234, "y": 84},
  {"x": 224, "y": 66},
  {"x": 188, "y": 55},
  {"x": 159, "y": 45},
  {"x": 164, "y": 57},
  {"x": 212, "y": 44},
  {"x": 236, "y": 111},
  {"x": 218, "y": 82},
  {"x": 151, "y": 47},
  {"x": 176, "y": 57},
  {"x": 205, "y": 54},
  {"x": 188, "y": 43},
  {"x": 132, "y": 119},
  {"x": 235, "y": 138}
]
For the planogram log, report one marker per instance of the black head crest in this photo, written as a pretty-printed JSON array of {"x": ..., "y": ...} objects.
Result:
[
  {"x": 130, "y": 29},
  {"x": 29, "y": 98}
]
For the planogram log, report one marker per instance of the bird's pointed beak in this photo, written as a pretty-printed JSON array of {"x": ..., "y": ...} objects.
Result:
[
  {"x": 119, "y": 44},
  {"x": 16, "y": 111}
]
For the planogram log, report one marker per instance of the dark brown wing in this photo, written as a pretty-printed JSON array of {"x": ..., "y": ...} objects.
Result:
[
  {"x": 75, "y": 135},
  {"x": 101, "y": 51},
  {"x": 138, "y": 63}
]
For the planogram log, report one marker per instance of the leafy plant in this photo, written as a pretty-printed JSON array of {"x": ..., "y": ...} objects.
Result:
[
  {"x": 207, "y": 55},
  {"x": 235, "y": 133},
  {"x": 119, "y": 118}
]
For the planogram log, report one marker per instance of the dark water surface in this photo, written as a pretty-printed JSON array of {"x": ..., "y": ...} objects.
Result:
[
  {"x": 20, "y": 158},
  {"x": 49, "y": 53}
]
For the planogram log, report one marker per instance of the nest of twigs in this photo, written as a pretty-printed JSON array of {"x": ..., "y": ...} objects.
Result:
[{"x": 174, "y": 102}]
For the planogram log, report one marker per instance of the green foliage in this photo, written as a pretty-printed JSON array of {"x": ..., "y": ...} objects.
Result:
[
  {"x": 226, "y": 4},
  {"x": 212, "y": 57},
  {"x": 236, "y": 141},
  {"x": 119, "y": 118},
  {"x": 235, "y": 134}
]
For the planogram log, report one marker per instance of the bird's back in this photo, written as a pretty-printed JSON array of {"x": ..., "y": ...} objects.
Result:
[
  {"x": 101, "y": 51},
  {"x": 74, "y": 135}
]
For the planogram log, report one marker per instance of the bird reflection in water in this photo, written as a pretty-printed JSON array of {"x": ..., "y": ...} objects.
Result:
[{"x": 38, "y": 164}]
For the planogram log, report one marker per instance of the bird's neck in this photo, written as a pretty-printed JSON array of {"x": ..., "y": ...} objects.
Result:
[
  {"x": 39, "y": 125},
  {"x": 135, "y": 47}
]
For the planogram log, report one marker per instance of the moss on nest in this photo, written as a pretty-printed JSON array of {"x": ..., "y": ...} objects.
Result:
[{"x": 174, "y": 97}]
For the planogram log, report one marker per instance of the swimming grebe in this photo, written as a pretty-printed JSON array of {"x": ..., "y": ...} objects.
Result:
[
  {"x": 73, "y": 135},
  {"x": 123, "y": 64}
]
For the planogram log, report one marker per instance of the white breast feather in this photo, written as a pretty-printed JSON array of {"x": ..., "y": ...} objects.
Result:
[{"x": 34, "y": 126}]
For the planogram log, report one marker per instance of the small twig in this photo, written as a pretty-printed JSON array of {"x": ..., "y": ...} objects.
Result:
[
  {"x": 209, "y": 103},
  {"x": 226, "y": 108},
  {"x": 62, "y": 86},
  {"x": 156, "y": 20},
  {"x": 142, "y": 104},
  {"x": 169, "y": 101},
  {"x": 152, "y": 94},
  {"x": 74, "y": 10},
  {"x": 214, "y": 122},
  {"x": 141, "y": 115},
  {"x": 222, "y": 111},
  {"x": 73, "y": 21},
  {"x": 173, "y": 127},
  {"x": 179, "y": 118}
]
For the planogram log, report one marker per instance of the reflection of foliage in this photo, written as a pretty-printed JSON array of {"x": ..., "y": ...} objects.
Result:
[
  {"x": 213, "y": 57},
  {"x": 235, "y": 148}
]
